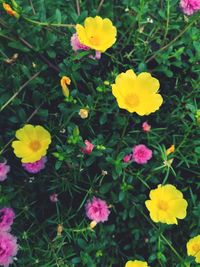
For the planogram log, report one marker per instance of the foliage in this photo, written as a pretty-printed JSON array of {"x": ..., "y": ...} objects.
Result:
[{"x": 153, "y": 36}]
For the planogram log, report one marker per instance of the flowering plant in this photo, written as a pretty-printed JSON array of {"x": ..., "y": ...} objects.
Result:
[{"x": 99, "y": 140}]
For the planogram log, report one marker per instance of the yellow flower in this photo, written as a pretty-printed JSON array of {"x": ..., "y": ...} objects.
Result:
[
  {"x": 59, "y": 229},
  {"x": 93, "y": 224},
  {"x": 32, "y": 143},
  {"x": 10, "y": 11},
  {"x": 166, "y": 204},
  {"x": 170, "y": 150},
  {"x": 64, "y": 82},
  {"x": 136, "y": 264},
  {"x": 137, "y": 93},
  {"x": 97, "y": 33},
  {"x": 83, "y": 113},
  {"x": 193, "y": 248}
]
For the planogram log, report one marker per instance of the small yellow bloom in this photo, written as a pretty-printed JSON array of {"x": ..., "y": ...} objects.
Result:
[
  {"x": 97, "y": 33},
  {"x": 83, "y": 113},
  {"x": 106, "y": 82},
  {"x": 9, "y": 10},
  {"x": 59, "y": 229},
  {"x": 136, "y": 264},
  {"x": 137, "y": 93},
  {"x": 12, "y": 59},
  {"x": 32, "y": 143},
  {"x": 65, "y": 81},
  {"x": 170, "y": 150},
  {"x": 166, "y": 204},
  {"x": 168, "y": 163},
  {"x": 93, "y": 224},
  {"x": 193, "y": 248}
]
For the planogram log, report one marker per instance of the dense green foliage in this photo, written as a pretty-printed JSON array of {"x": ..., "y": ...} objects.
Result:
[{"x": 169, "y": 48}]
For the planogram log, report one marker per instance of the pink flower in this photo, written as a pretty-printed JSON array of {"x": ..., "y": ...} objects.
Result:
[
  {"x": 97, "y": 210},
  {"x": 7, "y": 216},
  {"x": 4, "y": 169},
  {"x": 54, "y": 197},
  {"x": 88, "y": 148},
  {"x": 127, "y": 158},
  {"x": 8, "y": 248},
  {"x": 146, "y": 127},
  {"x": 97, "y": 55},
  {"x": 190, "y": 6},
  {"x": 141, "y": 154},
  {"x": 76, "y": 45},
  {"x": 35, "y": 167}
]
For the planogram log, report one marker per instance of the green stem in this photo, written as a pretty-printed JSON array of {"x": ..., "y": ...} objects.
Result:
[
  {"x": 123, "y": 133},
  {"x": 48, "y": 24},
  {"x": 167, "y": 23},
  {"x": 162, "y": 236},
  {"x": 170, "y": 43}
]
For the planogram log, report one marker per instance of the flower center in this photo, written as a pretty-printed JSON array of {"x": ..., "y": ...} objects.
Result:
[
  {"x": 162, "y": 205},
  {"x": 95, "y": 40},
  {"x": 35, "y": 145},
  {"x": 196, "y": 248},
  {"x": 132, "y": 100}
]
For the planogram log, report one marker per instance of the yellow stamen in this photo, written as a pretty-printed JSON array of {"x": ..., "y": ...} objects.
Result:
[{"x": 35, "y": 145}]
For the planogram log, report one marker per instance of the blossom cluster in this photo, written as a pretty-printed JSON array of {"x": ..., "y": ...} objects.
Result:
[{"x": 8, "y": 242}]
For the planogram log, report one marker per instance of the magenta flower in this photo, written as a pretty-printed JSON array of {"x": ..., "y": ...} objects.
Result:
[
  {"x": 141, "y": 154},
  {"x": 127, "y": 158},
  {"x": 76, "y": 45},
  {"x": 88, "y": 148},
  {"x": 97, "y": 210},
  {"x": 7, "y": 216},
  {"x": 4, "y": 169},
  {"x": 8, "y": 248},
  {"x": 54, "y": 197},
  {"x": 146, "y": 127},
  {"x": 35, "y": 167},
  {"x": 190, "y": 6}
]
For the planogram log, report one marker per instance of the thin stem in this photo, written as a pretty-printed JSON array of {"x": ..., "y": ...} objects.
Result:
[
  {"x": 33, "y": 9},
  {"x": 48, "y": 24},
  {"x": 170, "y": 43},
  {"x": 123, "y": 133},
  {"x": 162, "y": 236},
  {"x": 184, "y": 139},
  {"x": 19, "y": 90},
  {"x": 167, "y": 23},
  {"x": 99, "y": 6},
  {"x": 78, "y": 7}
]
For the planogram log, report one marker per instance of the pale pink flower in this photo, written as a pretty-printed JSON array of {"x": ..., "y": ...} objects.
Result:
[
  {"x": 36, "y": 166},
  {"x": 141, "y": 154},
  {"x": 96, "y": 56},
  {"x": 76, "y": 44},
  {"x": 190, "y": 6},
  {"x": 97, "y": 210},
  {"x": 88, "y": 148},
  {"x": 54, "y": 197},
  {"x": 8, "y": 248},
  {"x": 7, "y": 216},
  {"x": 127, "y": 158},
  {"x": 4, "y": 169},
  {"x": 146, "y": 127}
]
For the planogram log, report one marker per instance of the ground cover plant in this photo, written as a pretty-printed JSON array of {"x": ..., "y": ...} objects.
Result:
[{"x": 99, "y": 141}]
